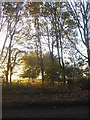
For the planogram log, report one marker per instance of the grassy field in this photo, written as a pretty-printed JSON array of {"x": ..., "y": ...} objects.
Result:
[{"x": 24, "y": 95}]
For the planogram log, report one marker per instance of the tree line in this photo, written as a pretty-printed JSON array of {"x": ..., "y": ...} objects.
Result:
[{"x": 45, "y": 37}]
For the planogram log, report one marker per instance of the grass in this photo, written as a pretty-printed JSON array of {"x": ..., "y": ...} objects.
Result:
[{"x": 27, "y": 94}]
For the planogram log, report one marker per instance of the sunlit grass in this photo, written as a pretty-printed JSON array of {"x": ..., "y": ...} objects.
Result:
[{"x": 27, "y": 81}]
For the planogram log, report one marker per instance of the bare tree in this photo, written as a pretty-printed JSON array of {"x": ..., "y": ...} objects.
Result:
[{"x": 80, "y": 12}]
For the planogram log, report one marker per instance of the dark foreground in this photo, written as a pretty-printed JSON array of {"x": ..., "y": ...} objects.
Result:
[{"x": 54, "y": 112}]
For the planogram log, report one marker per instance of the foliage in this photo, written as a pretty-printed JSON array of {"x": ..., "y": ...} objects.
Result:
[
  {"x": 51, "y": 67},
  {"x": 31, "y": 66},
  {"x": 44, "y": 27},
  {"x": 73, "y": 72},
  {"x": 82, "y": 83}
]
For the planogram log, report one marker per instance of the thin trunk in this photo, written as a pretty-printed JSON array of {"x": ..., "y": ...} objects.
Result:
[
  {"x": 48, "y": 40},
  {"x": 51, "y": 52},
  {"x": 9, "y": 61},
  {"x": 59, "y": 55},
  {"x": 63, "y": 66},
  {"x": 88, "y": 52},
  {"x": 5, "y": 40},
  {"x": 41, "y": 58},
  {"x": 41, "y": 63},
  {"x": 8, "y": 64},
  {"x": 10, "y": 44},
  {"x": 64, "y": 72},
  {"x": 88, "y": 46},
  {"x": 58, "y": 48},
  {"x": 52, "y": 45},
  {"x": 10, "y": 74},
  {"x": 10, "y": 78},
  {"x": 74, "y": 71},
  {"x": 57, "y": 41}
]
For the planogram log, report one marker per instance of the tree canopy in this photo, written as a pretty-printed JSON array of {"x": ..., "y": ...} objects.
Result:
[{"x": 45, "y": 35}]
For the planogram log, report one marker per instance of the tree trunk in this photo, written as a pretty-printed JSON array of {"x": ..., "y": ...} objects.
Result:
[
  {"x": 64, "y": 73},
  {"x": 8, "y": 66},
  {"x": 63, "y": 66},
  {"x": 74, "y": 71},
  {"x": 52, "y": 45},
  {"x": 41, "y": 63},
  {"x": 57, "y": 41},
  {"x": 52, "y": 48},
  {"x": 88, "y": 52},
  {"x": 10, "y": 78},
  {"x": 40, "y": 47},
  {"x": 48, "y": 40},
  {"x": 10, "y": 75},
  {"x": 7, "y": 76}
]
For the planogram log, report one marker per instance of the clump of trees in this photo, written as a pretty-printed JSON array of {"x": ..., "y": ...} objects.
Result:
[
  {"x": 52, "y": 71},
  {"x": 43, "y": 35}
]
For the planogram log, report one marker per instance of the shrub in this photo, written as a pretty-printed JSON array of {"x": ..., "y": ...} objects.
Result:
[{"x": 82, "y": 83}]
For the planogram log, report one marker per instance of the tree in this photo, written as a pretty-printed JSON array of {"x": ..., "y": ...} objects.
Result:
[
  {"x": 51, "y": 69},
  {"x": 73, "y": 72},
  {"x": 11, "y": 12},
  {"x": 45, "y": 27},
  {"x": 80, "y": 12},
  {"x": 31, "y": 66},
  {"x": 61, "y": 24}
]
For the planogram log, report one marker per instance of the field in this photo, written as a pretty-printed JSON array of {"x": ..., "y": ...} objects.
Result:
[{"x": 25, "y": 95}]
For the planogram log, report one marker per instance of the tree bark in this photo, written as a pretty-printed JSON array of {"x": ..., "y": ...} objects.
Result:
[
  {"x": 10, "y": 75},
  {"x": 40, "y": 47},
  {"x": 63, "y": 66},
  {"x": 57, "y": 41}
]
